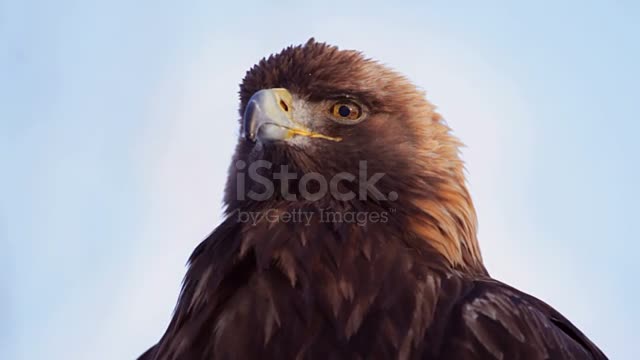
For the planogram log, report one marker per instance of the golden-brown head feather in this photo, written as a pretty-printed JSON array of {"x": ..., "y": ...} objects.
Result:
[{"x": 402, "y": 136}]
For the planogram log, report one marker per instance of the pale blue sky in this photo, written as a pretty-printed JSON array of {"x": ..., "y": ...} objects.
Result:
[{"x": 118, "y": 118}]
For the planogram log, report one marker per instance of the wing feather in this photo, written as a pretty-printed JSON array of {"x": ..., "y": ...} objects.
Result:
[{"x": 495, "y": 321}]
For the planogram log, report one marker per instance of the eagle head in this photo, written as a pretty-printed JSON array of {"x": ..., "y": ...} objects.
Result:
[{"x": 330, "y": 120}]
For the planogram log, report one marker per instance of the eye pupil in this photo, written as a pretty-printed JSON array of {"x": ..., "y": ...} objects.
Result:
[{"x": 344, "y": 111}]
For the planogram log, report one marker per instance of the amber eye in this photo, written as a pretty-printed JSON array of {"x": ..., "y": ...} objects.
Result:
[{"x": 346, "y": 111}]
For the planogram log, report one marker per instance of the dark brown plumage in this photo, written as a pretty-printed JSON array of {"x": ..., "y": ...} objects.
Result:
[{"x": 411, "y": 287}]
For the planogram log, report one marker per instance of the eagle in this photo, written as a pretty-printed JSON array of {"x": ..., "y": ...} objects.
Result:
[{"x": 349, "y": 232}]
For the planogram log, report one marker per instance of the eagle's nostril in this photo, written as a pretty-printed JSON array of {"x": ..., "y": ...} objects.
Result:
[{"x": 284, "y": 106}]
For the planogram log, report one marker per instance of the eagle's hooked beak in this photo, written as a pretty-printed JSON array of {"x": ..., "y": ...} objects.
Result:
[{"x": 269, "y": 117}]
